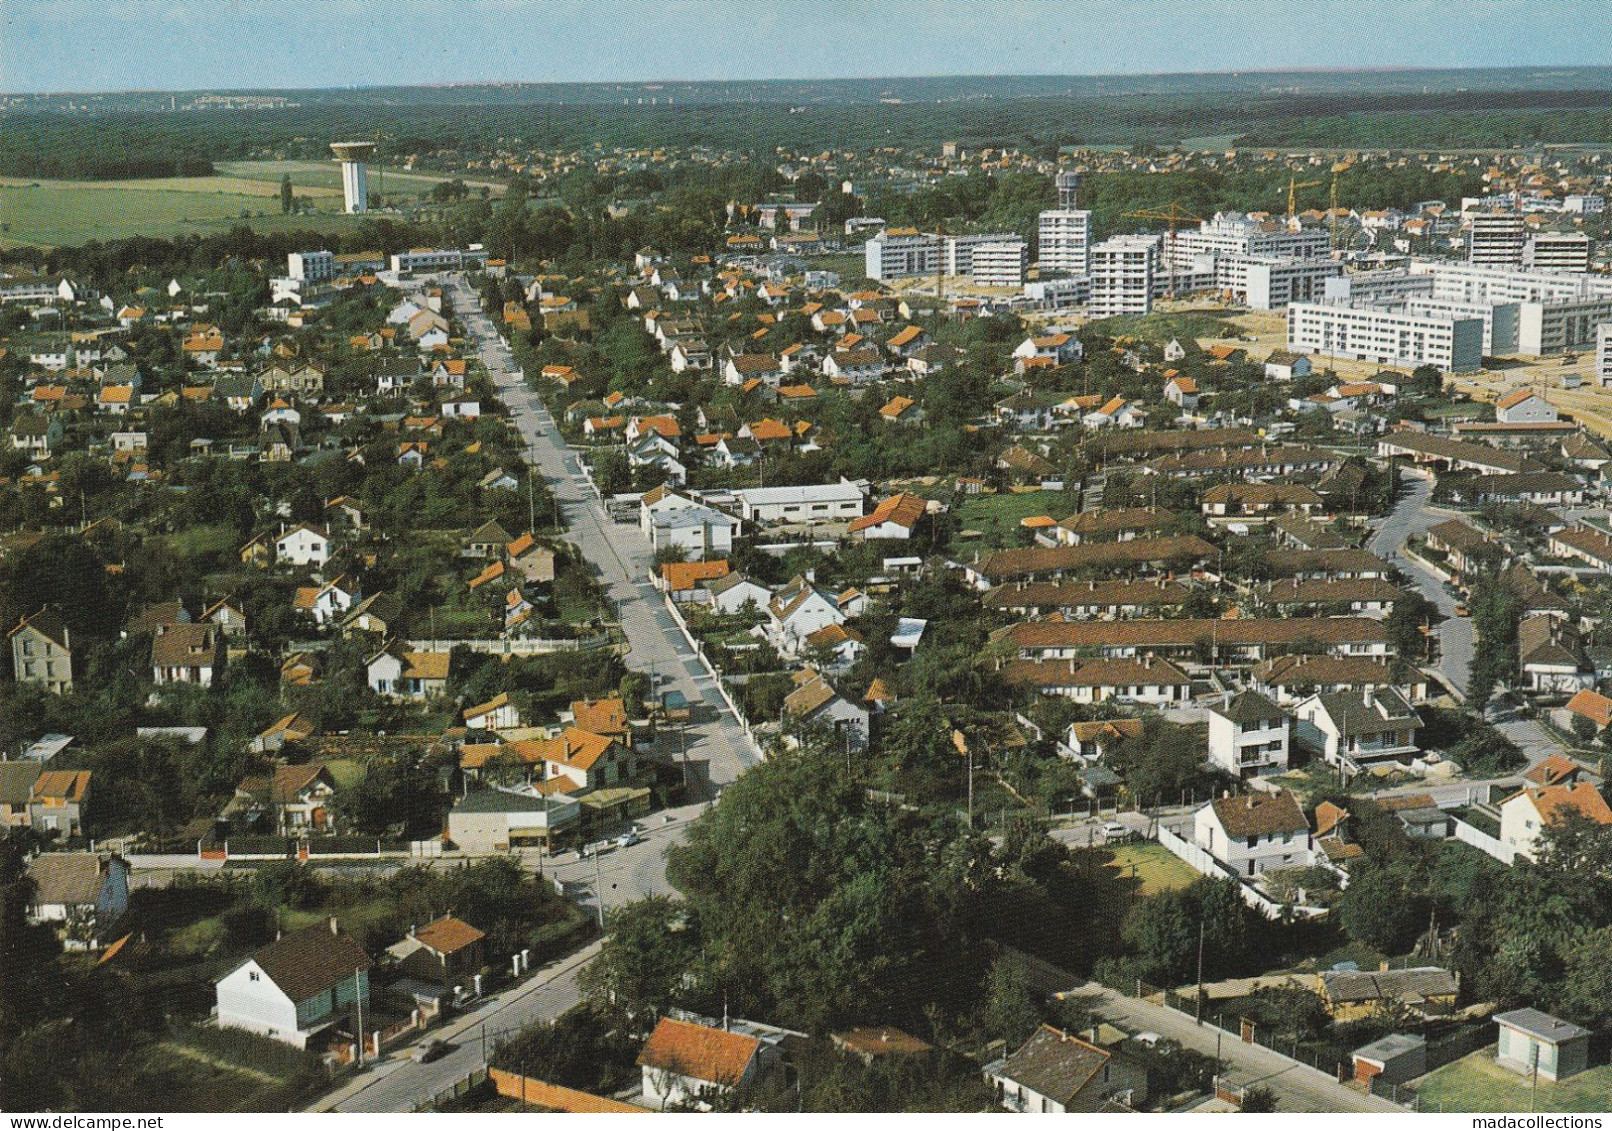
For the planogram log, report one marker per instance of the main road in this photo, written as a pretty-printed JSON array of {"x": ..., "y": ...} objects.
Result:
[
  {"x": 718, "y": 748},
  {"x": 714, "y": 749}
]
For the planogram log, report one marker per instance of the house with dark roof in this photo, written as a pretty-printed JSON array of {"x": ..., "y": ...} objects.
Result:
[
  {"x": 1358, "y": 730},
  {"x": 1353, "y": 995},
  {"x": 79, "y": 894},
  {"x": 1533, "y": 1041},
  {"x": 42, "y": 652},
  {"x": 297, "y": 987},
  {"x": 1255, "y": 833},
  {"x": 1055, "y": 1072},
  {"x": 1249, "y": 736}
]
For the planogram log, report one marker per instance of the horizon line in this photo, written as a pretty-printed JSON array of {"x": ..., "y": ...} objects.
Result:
[{"x": 1381, "y": 68}]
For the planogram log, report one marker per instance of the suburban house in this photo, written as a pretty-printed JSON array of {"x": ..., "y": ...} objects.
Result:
[
  {"x": 814, "y": 701},
  {"x": 1531, "y": 1041},
  {"x": 685, "y": 1063},
  {"x": 732, "y": 592},
  {"x": 1255, "y": 833},
  {"x": 42, "y": 652},
  {"x": 293, "y": 798},
  {"x": 1248, "y": 736},
  {"x": 1525, "y": 814},
  {"x": 590, "y": 761},
  {"x": 187, "y": 653},
  {"x": 1150, "y": 680},
  {"x": 80, "y": 894},
  {"x": 498, "y": 713},
  {"x": 895, "y": 517},
  {"x": 1280, "y": 365},
  {"x": 1353, "y": 731},
  {"x": 1055, "y": 1072},
  {"x": 441, "y": 952},
  {"x": 1524, "y": 406},
  {"x": 302, "y": 545},
  {"x": 1354, "y": 995},
  {"x": 298, "y": 986},
  {"x": 396, "y": 673}
]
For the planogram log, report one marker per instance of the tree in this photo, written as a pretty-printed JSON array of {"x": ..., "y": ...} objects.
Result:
[
  {"x": 285, "y": 193},
  {"x": 1011, "y": 1013},
  {"x": 1377, "y": 909},
  {"x": 29, "y": 956},
  {"x": 654, "y": 945},
  {"x": 1258, "y": 1100}
]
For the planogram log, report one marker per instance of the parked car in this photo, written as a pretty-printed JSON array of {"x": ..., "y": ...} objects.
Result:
[
  {"x": 629, "y": 838},
  {"x": 1113, "y": 830},
  {"x": 431, "y": 1050}
]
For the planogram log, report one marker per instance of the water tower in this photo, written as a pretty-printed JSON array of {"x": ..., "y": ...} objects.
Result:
[
  {"x": 354, "y": 179},
  {"x": 1068, "y": 186}
]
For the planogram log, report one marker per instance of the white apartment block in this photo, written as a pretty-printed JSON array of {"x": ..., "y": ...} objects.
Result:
[
  {"x": 439, "y": 259},
  {"x": 1126, "y": 272},
  {"x": 1000, "y": 263},
  {"x": 311, "y": 266},
  {"x": 1557, "y": 310},
  {"x": 958, "y": 254},
  {"x": 1270, "y": 283},
  {"x": 1386, "y": 337},
  {"x": 1603, "y": 355},
  {"x": 1390, "y": 285},
  {"x": 1584, "y": 204},
  {"x": 1558, "y": 251},
  {"x": 1231, "y": 234},
  {"x": 1501, "y": 321},
  {"x": 1495, "y": 239},
  {"x": 899, "y": 253},
  {"x": 1063, "y": 241}
]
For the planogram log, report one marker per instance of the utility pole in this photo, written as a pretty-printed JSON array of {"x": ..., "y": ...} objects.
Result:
[
  {"x": 358, "y": 1000},
  {"x": 1198, "y": 1019},
  {"x": 598, "y": 886}
]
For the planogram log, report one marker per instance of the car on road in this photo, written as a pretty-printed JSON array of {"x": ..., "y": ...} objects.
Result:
[
  {"x": 629, "y": 838},
  {"x": 433, "y": 1049},
  {"x": 1113, "y": 831}
]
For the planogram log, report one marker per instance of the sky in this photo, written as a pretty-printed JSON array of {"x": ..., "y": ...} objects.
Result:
[{"x": 100, "y": 45}]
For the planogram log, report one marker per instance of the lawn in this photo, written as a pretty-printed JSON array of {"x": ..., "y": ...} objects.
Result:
[
  {"x": 1475, "y": 1083},
  {"x": 57, "y": 213},
  {"x": 1156, "y": 866},
  {"x": 997, "y": 516},
  {"x": 1161, "y": 327}
]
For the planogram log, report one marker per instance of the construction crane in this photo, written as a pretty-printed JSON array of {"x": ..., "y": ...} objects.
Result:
[
  {"x": 1332, "y": 215},
  {"x": 1172, "y": 214},
  {"x": 1293, "y": 186}
]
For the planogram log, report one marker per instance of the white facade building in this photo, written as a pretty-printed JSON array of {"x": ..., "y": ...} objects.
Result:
[
  {"x": 1558, "y": 251},
  {"x": 900, "y": 253},
  {"x": 427, "y": 259},
  {"x": 1268, "y": 283},
  {"x": 1249, "y": 736},
  {"x": 1063, "y": 241},
  {"x": 1603, "y": 355},
  {"x": 1386, "y": 337},
  {"x": 311, "y": 266},
  {"x": 1495, "y": 239},
  {"x": 1126, "y": 273}
]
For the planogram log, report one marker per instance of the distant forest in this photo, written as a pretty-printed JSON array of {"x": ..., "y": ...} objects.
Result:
[{"x": 142, "y": 144}]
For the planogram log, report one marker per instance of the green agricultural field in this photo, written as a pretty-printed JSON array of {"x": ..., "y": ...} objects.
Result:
[
  {"x": 1475, "y": 1083},
  {"x": 327, "y": 175},
  {"x": 64, "y": 213}
]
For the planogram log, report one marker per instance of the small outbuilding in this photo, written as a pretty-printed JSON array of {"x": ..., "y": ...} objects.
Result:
[
  {"x": 1531, "y": 1039},
  {"x": 1393, "y": 1059}
]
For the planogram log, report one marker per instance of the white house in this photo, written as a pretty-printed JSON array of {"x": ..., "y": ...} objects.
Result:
[
  {"x": 1248, "y": 736},
  {"x": 1054, "y": 1072},
  {"x": 685, "y": 1063},
  {"x": 1255, "y": 833},
  {"x": 498, "y": 713},
  {"x": 1524, "y": 815},
  {"x": 79, "y": 894},
  {"x": 732, "y": 592},
  {"x": 800, "y": 609},
  {"x": 1282, "y": 365},
  {"x": 1059, "y": 348},
  {"x": 298, "y": 986},
  {"x": 700, "y": 531},
  {"x": 818, "y": 503},
  {"x": 1524, "y": 407},
  {"x": 814, "y": 701},
  {"x": 1355, "y": 729},
  {"x": 398, "y": 674},
  {"x": 302, "y": 545}
]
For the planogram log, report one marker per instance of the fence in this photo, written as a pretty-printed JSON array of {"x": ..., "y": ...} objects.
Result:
[
  {"x": 293, "y": 848},
  {"x": 716, "y": 677},
  {"x": 454, "y": 1092},
  {"x": 554, "y": 1097},
  {"x": 1482, "y": 841},
  {"x": 516, "y": 646},
  {"x": 1203, "y": 862}
]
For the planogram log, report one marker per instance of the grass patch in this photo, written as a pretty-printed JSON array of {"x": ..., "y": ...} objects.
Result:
[
  {"x": 316, "y": 175},
  {"x": 997, "y": 516},
  {"x": 1155, "y": 866},
  {"x": 1163, "y": 327},
  {"x": 1475, "y": 1083}
]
